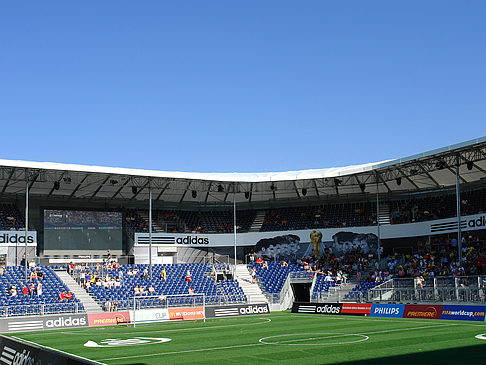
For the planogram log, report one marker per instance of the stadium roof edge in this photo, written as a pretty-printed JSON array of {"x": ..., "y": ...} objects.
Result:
[{"x": 234, "y": 176}]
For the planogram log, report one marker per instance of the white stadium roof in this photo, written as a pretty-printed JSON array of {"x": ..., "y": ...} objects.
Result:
[{"x": 422, "y": 172}]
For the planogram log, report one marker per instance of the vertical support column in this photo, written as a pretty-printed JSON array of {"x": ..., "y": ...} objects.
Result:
[
  {"x": 458, "y": 204},
  {"x": 378, "y": 218},
  {"x": 26, "y": 220},
  {"x": 150, "y": 231},
  {"x": 234, "y": 217}
]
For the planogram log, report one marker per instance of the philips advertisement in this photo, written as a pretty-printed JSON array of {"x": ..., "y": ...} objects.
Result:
[{"x": 387, "y": 310}]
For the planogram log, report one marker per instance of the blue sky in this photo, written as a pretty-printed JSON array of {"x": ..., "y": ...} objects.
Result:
[{"x": 244, "y": 86}]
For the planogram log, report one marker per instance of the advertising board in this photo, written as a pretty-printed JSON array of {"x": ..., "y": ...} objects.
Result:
[
  {"x": 356, "y": 308},
  {"x": 422, "y": 311},
  {"x": 108, "y": 318},
  {"x": 237, "y": 310},
  {"x": 464, "y": 312},
  {"x": 16, "y": 351},
  {"x": 387, "y": 310},
  {"x": 151, "y": 315},
  {"x": 317, "y": 308},
  {"x": 37, "y": 323},
  {"x": 187, "y": 313}
]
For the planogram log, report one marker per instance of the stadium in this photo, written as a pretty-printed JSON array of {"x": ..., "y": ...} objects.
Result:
[{"x": 372, "y": 263}]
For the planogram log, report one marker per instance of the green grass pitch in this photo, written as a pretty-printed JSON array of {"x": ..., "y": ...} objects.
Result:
[{"x": 277, "y": 338}]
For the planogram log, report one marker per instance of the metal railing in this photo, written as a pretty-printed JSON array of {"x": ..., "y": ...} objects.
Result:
[
  {"x": 40, "y": 309},
  {"x": 438, "y": 289},
  {"x": 181, "y": 300}
]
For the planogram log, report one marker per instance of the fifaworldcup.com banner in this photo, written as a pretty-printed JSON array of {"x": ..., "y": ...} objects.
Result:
[{"x": 464, "y": 313}]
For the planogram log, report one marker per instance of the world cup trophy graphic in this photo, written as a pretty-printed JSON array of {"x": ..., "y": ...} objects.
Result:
[{"x": 316, "y": 238}]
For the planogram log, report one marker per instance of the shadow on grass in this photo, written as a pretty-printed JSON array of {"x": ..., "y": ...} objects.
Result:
[{"x": 458, "y": 355}]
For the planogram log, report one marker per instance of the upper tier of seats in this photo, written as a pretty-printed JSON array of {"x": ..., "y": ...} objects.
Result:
[
  {"x": 10, "y": 217},
  {"x": 346, "y": 214}
]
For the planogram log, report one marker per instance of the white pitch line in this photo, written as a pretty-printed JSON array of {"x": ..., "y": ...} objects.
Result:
[
  {"x": 257, "y": 344},
  {"x": 267, "y": 320},
  {"x": 182, "y": 352},
  {"x": 285, "y": 342}
]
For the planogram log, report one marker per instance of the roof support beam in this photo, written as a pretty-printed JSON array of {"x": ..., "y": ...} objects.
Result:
[
  {"x": 384, "y": 183},
  {"x": 78, "y": 186},
  {"x": 185, "y": 192},
  {"x": 163, "y": 190},
  {"x": 315, "y": 186},
  {"x": 297, "y": 190},
  {"x": 207, "y": 194},
  {"x": 408, "y": 178},
  {"x": 99, "y": 187},
  {"x": 34, "y": 179},
  {"x": 476, "y": 166},
  {"x": 120, "y": 189},
  {"x": 52, "y": 189},
  {"x": 8, "y": 180},
  {"x": 140, "y": 190},
  {"x": 453, "y": 172},
  {"x": 429, "y": 176}
]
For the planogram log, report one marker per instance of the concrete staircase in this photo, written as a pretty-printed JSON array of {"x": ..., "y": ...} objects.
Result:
[
  {"x": 155, "y": 225},
  {"x": 89, "y": 303},
  {"x": 384, "y": 216},
  {"x": 252, "y": 291},
  {"x": 338, "y": 294},
  {"x": 258, "y": 221}
]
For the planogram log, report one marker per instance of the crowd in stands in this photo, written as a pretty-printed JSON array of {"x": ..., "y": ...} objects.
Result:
[
  {"x": 430, "y": 208},
  {"x": 349, "y": 214},
  {"x": 10, "y": 218},
  {"x": 442, "y": 260}
]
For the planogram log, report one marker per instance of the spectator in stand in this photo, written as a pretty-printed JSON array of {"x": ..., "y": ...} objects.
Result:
[
  {"x": 108, "y": 305},
  {"x": 39, "y": 289},
  {"x": 253, "y": 275},
  {"x": 13, "y": 291},
  {"x": 188, "y": 276},
  {"x": 25, "y": 290},
  {"x": 163, "y": 274},
  {"x": 63, "y": 296}
]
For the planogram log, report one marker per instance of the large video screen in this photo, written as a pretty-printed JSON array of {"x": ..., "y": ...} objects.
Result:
[{"x": 82, "y": 230}]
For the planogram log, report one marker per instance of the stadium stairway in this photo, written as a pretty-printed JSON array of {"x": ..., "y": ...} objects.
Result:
[
  {"x": 252, "y": 291},
  {"x": 89, "y": 303},
  {"x": 258, "y": 221},
  {"x": 338, "y": 294},
  {"x": 384, "y": 217}
]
